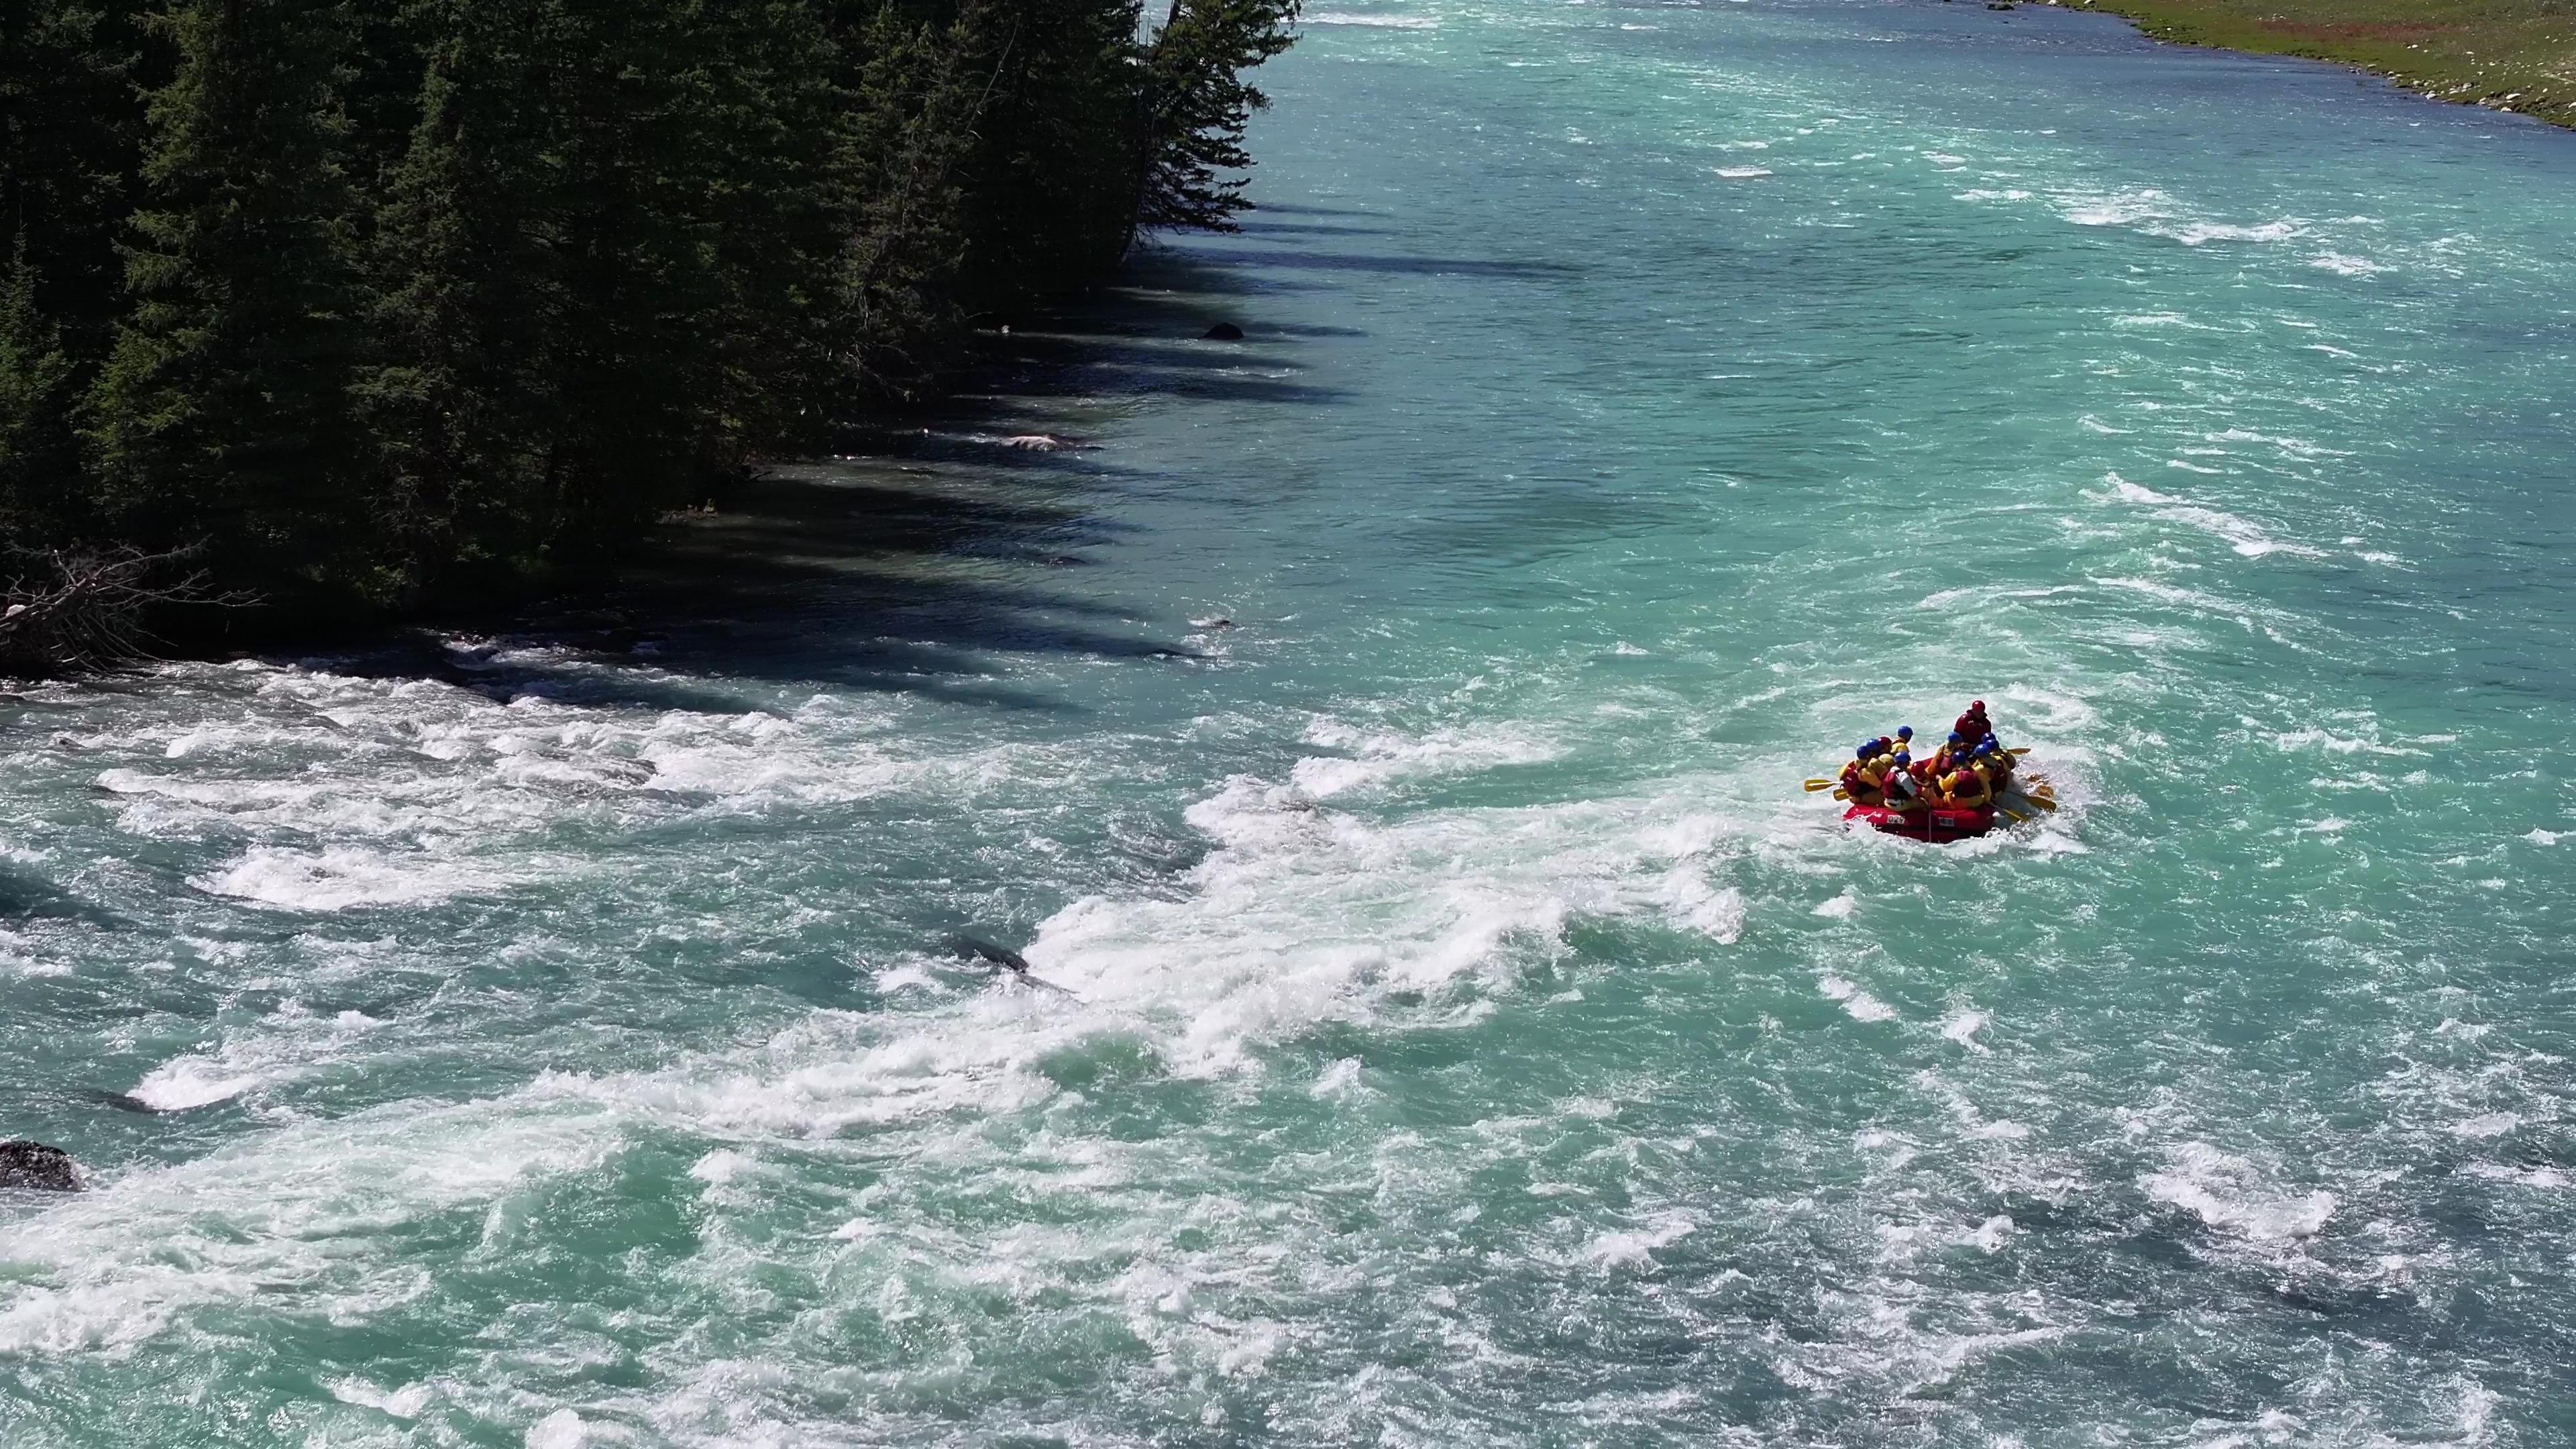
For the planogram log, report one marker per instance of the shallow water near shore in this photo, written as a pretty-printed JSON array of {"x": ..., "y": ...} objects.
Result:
[{"x": 1474, "y": 1034}]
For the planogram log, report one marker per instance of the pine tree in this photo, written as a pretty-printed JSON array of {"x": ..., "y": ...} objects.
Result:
[
  {"x": 765, "y": 148},
  {"x": 69, "y": 131},
  {"x": 1050, "y": 190},
  {"x": 914, "y": 103},
  {"x": 39, "y": 466},
  {"x": 221, "y": 415},
  {"x": 454, "y": 401},
  {"x": 1198, "y": 103}
]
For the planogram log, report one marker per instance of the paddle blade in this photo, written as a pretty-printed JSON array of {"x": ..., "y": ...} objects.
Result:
[{"x": 1814, "y": 785}]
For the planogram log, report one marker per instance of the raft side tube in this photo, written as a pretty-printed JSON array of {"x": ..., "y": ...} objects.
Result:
[{"x": 1937, "y": 826}]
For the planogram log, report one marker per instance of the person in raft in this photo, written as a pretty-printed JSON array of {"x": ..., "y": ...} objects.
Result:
[{"x": 1966, "y": 773}]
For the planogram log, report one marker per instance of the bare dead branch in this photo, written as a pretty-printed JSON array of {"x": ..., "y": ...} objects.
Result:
[{"x": 66, "y": 610}]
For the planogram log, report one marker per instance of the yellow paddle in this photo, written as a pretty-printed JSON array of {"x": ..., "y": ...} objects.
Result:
[
  {"x": 2015, "y": 816},
  {"x": 2042, "y": 801},
  {"x": 1814, "y": 785}
]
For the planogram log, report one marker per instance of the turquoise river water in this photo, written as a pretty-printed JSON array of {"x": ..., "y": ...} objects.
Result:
[{"x": 1475, "y": 1034}]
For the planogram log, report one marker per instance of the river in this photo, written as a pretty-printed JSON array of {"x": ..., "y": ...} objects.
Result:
[{"x": 1466, "y": 1030}]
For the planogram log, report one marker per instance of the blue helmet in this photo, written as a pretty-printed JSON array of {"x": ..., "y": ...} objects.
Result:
[
  {"x": 1905, "y": 732},
  {"x": 1957, "y": 738},
  {"x": 1867, "y": 749}
]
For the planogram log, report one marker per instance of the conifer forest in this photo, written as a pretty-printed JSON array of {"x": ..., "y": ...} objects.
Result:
[{"x": 360, "y": 307}]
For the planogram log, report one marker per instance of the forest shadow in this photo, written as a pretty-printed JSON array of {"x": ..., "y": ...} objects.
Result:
[{"x": 926, "y": 545}]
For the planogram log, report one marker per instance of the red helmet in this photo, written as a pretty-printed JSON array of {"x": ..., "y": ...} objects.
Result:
[{"x": 1977, "y": 704}]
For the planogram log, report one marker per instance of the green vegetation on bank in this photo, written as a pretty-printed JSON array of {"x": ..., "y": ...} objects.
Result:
[
  {"x": 2516, "y": 54},
  {"x": 367, "y": 306}
]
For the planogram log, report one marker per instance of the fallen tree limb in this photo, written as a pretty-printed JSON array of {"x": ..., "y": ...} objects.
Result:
[{"x": 66, "y": 610}]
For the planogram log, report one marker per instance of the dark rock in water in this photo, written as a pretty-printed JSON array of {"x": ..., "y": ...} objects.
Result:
[
  {"x": 127, "y": 1102},
  {"x": 1224, "y": 332},
  {"x": 973, "y": 947},
  {"x": 1218, "y": 624},
  {"x": 33, "y": 1164}
]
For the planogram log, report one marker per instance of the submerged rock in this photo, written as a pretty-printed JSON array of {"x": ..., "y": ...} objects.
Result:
[
  {"x": 976, "y": 947},
  {"x": 33, "y": 1164},
  {"x": 1224, "y": 332}
]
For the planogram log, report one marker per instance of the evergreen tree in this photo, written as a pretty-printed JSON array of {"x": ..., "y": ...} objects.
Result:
[
  {"x": 414, "y": 295},
  {"x": 70, "y": 127},
  {"x": 39, "y": 467},
  {"x": 1050, "y": 192},
  {"x": 454, "y": 401},
  {"x": 1197, "y": 104},
  {"x": 767, "y": 143},
  {"x": 628, "y": 219},
  {"x": 913, "y": 107},
  {"x": 221, "y": 415}
]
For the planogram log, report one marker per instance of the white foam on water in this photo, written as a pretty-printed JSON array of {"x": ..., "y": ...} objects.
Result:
[
  {"x": 286, "y": 1044},
  {"x": 2200, "y": 233},
  {"x": 177, "y": 1086},
  {"x": 2317, "y": 737},
  {"x": 109, "y": 1270},
  {"x": 1963, "y": 1025},
  {"x": 407, "y": 1402},
  {"x": 1742, "y": 173},
  {"x": 1690, "y": 901},
  {"x": 1378, "y": 757},
  {"x": 562, "y": 1429},
  {"x": 1840, "y": 907},
  {"x": 719, "y": 1167},
  {"x": 2152, "y": 212},
  {"x": 2343, "y": 265},
  {"x": 2226, "y": 1193},
  {"x": 1338, "y": 1080},
  {"x": 2245, "y": 538},
  {"x": 1635, "y": 1248},
  {"x": 1362, "y": 20},
  {"x": 1859, "y": 1004},
  {"x": 338, "y": 878}
]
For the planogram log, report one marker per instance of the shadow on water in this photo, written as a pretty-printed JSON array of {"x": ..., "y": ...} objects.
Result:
[
  {"x": 1306, "y": 228},
  {"x": 1403, "y": 266},
  {"x": 928, "y": 547}
]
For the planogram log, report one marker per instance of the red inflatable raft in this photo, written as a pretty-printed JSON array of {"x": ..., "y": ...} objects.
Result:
[{"x": 1937, "y": 826}]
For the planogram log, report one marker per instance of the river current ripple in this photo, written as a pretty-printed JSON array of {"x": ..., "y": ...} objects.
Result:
[{"x": 1474, "y": 1035}]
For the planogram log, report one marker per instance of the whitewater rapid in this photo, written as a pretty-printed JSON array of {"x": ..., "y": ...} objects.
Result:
[{"x": 1384, "y": 740}]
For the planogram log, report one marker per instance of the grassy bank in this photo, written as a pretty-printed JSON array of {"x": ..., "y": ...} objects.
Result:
[{"x": 2518, "y": 55}]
